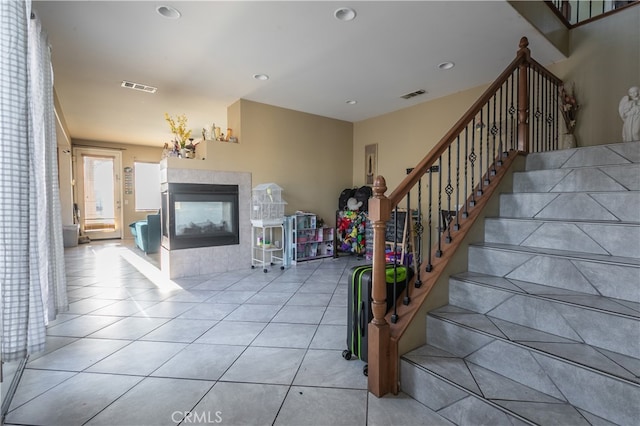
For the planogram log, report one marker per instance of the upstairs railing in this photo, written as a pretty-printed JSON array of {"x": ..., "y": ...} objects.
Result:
[
  {"x": 518, "y": 113},
  {"x": 575, "y": 12}
]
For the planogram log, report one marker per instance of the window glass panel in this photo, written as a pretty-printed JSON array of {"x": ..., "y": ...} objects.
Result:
[{"x": 147, "y": 186}]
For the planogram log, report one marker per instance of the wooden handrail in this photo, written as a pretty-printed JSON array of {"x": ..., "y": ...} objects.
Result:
[{"x": 383, "y": 338}]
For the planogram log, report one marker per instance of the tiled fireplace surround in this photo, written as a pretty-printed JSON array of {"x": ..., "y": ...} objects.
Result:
[{"x": 207, "y": 260}]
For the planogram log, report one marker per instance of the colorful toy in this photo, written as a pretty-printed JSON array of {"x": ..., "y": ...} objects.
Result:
[{"x": 351, "y": 226}]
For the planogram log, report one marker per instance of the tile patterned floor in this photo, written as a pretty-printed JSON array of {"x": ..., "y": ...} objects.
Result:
[{"x": 235, "y": 348}]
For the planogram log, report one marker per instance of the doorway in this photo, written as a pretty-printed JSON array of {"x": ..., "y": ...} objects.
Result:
[{"x": 98, "y": 195}]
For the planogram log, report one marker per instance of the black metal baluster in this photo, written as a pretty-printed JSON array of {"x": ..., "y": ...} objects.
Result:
[
  {"x": 394, "y": 316},
  {"x": 480, "y": 174},
  {"x": 545, "y": 139},
  {"x": 540, "y": 117},
  {"x": 440, "y": 230},
  {"x": 429, "y": 266},
  {"x": 448, "y": 190},
  {"x": 472, "y": 160},
  {"x": 542, "y": 111},
  {"x": 487, "y": 167},
  {"x": 553, "y": 111},
  {"x": 556, "y": 117},
  {"x": 545, "y": 119},
  {"x": 512, "y": 118},
  {"x": 408, "y": 241},
  {"x": 531, "y": 111},
  {"x": 537, "y": 113},
  {"x": 494, "y": 132},
  {"x": 540, "y": 95},
  {"x": 419, "y": 229},
  {"x": 549, "y": 115},
  {"x": 503, "y": 129},
  {"x": 465, "y": 214},
  {"x": 534, "y": 110},
  {"x": 395, "y": 236},
  {"x": 456, "y": 227}
]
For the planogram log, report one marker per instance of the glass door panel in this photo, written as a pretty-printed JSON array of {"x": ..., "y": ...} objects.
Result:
[{"x": 99, "y": 193}]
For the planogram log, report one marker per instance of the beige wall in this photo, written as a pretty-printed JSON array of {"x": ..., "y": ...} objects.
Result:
[
  {"x": 65, "y": 174},
  {"x": 405, "y": 136},
  {"x": 309, "y": 156},
  {"x": 65, "y": 177},
  {"x": 130, "y": 154}
]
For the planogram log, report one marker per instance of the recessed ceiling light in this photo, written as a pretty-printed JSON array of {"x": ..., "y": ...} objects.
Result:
[
  {"x": 446, "y": 65},
  {"x": 351, "y": 102},
  {"x": 261, "y": 77},
  {"x": 168, "y": 12},
  {"x": 345, "y": 14}
]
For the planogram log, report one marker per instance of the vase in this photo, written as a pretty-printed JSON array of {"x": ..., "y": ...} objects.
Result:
[{"x": 569, "y": 141}]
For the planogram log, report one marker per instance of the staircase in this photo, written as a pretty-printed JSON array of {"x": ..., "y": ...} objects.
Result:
[{"x": 544, "y": 327}]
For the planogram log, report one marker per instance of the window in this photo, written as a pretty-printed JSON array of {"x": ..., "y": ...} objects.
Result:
[{"x": 147, "y": 186}]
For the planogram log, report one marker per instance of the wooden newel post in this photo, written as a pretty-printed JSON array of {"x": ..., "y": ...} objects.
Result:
[
  {"x": 378, "y": 331},
  {"x": 523, "y": 96}
]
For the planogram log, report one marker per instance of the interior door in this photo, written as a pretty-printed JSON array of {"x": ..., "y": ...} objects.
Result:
[{"x": 98, "y": 194}]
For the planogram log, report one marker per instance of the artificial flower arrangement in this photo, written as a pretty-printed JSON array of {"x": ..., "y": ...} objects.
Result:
[
  {"x": 569, "y": 108},
  {"x": 179, "y": 128}
]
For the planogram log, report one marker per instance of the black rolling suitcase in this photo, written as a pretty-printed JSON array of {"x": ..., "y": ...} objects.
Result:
[{"x": 359, "y": 305}]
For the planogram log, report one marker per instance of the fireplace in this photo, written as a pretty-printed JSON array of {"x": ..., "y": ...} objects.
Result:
[{"x": 199, "y": 215}]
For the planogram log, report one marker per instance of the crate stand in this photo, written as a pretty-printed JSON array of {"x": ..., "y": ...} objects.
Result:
[{"x": 267, "y": 214}]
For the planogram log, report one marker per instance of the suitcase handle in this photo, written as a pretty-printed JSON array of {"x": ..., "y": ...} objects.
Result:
[{"x": 361, "y": 318}]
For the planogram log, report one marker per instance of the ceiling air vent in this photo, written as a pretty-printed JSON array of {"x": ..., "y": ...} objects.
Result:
[
  {"x": 138, "y": 86},
  {"x": 414, "y": 94}
]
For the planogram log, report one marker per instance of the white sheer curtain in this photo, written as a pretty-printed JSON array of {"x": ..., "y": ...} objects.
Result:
[
  {"x": 45, "y": 160},
  {"x": 31, "y": 252}
]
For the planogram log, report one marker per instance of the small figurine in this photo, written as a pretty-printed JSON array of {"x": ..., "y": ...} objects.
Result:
[{"x": 629, "y": 110}]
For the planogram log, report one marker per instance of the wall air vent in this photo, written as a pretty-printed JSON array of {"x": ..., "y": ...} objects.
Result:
[
  {"x": 414, "y": 94},
  {"x": 138, "y": 86}
]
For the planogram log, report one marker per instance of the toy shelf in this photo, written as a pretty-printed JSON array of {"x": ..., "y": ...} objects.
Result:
[{"x": 307, "y": 241}]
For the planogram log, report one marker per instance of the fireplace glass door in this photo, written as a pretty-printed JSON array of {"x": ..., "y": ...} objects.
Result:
[
  {"x": 203, "y": 218},
  {"x": 200, "y": 216}
]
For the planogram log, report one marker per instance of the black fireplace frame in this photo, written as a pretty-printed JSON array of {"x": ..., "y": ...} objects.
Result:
[{"x": 191, "y": 192}]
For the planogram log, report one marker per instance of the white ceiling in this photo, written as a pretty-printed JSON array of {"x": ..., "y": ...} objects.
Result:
[{"x": 205, "y": 61}]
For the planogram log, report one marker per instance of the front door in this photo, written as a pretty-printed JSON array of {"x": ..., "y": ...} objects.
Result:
[{"x": 98, "y": 194}]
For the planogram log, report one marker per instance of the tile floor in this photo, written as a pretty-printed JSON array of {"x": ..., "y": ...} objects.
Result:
[{"x": 235, "y": 348}]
